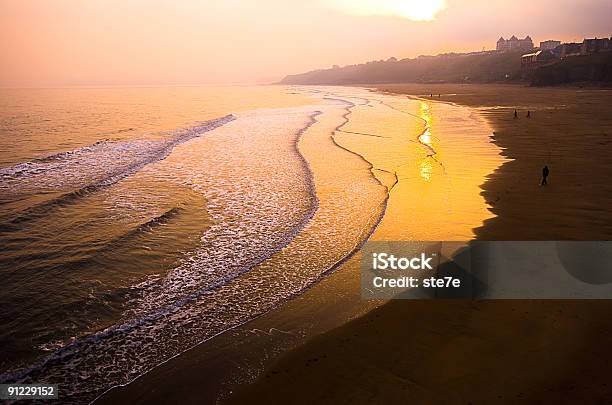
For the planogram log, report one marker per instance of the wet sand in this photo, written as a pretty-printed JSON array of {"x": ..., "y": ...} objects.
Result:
[
  {"x": 570, "y": 130},
  {"x": 485, "y": 351}
]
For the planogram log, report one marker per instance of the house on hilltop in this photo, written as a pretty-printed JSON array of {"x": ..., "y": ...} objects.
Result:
[
  {"x": 549, "y": 45},
  {"x": 515, "y": 44},
  {"x": 587, "y": 47}
]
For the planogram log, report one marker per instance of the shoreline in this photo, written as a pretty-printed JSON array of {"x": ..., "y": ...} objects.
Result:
[{"x": 327, "y": 305}]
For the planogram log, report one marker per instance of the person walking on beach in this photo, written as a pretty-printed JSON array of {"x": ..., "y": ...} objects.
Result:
[
  {"x": 528, "y": 114},
  {"x": 545, "y": 173},
  {"x": 515, "y": 114}
]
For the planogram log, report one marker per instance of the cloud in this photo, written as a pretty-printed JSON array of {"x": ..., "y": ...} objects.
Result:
[{"x": 415, "y": 10}]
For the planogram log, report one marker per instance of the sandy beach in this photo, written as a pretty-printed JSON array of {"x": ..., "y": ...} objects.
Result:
[{"x": 493, "y": 351}]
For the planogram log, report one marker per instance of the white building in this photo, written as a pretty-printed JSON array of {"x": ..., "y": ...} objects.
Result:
[{"x": 512, "y": 44}]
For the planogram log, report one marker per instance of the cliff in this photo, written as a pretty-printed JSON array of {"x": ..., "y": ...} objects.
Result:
[{"x": 481, "y": 67}]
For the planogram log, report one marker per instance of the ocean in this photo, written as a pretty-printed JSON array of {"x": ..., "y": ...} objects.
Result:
[{"x": 136, "y": 223}]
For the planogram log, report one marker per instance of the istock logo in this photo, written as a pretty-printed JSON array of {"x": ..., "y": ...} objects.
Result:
[{"x": 384, "y": 261}]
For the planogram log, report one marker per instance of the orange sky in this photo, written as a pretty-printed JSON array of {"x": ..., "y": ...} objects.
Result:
[{"x": 116, "y": 42}]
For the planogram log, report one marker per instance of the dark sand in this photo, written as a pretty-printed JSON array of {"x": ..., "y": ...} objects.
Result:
[{"x": 491, "y": 351}]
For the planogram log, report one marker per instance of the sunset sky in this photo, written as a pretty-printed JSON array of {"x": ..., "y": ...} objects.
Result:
[{"x": 117, "y": 42}]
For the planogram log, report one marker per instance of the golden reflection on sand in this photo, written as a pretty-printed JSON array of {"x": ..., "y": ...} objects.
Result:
[
  {"x": 426, "y": 170},
  {"x": 440, "y": 154},
  {"x": 426, "y": 166}
]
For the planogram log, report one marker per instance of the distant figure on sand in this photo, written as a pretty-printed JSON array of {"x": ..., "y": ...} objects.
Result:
[
  {"x": 528, "y": 114},
  {"x": 515, "y": 114},
  {"x": 545, "y": 172}
]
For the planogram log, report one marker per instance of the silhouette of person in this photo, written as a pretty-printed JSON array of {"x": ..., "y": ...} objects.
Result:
[
  {"x": 545, "y": 173},
  {"x": 515, "y": 114},
  {"x": 528, "y": 114}
]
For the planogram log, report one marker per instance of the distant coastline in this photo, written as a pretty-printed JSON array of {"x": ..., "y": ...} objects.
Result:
[{"x": 474, "y": 67}]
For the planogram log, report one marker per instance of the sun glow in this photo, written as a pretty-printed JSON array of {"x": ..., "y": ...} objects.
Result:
[
  {"x": 425, "y": 137},
  {"x": 416, "y": 10}
]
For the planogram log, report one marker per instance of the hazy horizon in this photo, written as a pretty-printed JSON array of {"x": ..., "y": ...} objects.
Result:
[{"x": 52, "y": 43}]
